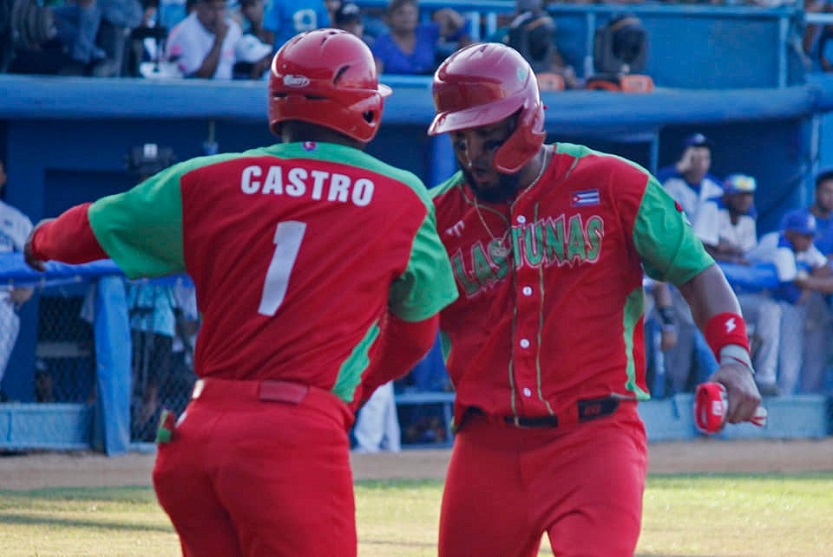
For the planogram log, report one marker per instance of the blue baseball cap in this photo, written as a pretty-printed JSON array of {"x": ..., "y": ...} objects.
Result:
[
  {"x": 696, "y": 140},
  {"x": 739, "y": 183},
  {"x": 799, "y": 221}
]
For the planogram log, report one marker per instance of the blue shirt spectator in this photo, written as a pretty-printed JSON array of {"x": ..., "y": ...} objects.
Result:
[
  {"x": 822, "y": 209},
  {"x": 411, "y": 47},
  {"x": 422, "y": 61},
  {"x": 287, "y": 18}
]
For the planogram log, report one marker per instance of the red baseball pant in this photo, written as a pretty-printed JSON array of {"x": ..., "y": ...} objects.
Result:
[
  {"x": 245, "y": 477},
  {"x": 582, "y": 484}
]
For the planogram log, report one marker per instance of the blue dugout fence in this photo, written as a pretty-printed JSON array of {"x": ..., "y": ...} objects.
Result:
[{"x": 97, "y": 404}]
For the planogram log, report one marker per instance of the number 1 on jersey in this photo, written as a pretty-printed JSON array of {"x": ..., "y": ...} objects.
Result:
[{"x": 288, "y": 237}]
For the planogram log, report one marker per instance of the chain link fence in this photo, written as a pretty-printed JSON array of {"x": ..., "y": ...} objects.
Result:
[{"x": 54, "y": 320}]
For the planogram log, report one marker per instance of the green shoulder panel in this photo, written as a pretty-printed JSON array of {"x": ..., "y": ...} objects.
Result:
[
  {"x": 141, "y": 229},
  {"x": 444, "y": 187},
  {"x": 427, "y": 285},
  {"x": 665, "y": 240}
]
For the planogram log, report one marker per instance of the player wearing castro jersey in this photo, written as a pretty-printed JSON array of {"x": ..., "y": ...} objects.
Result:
[
  {"x": 545, "y": 343},
  {"x": 317, "y": 267}
]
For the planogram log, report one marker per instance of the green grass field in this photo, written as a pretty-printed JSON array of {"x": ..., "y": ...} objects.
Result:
[{"x": 696, "y": 515}]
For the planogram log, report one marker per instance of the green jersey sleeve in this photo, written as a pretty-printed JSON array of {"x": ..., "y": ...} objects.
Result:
[
  {"x": 427, "y": 285},
  {"x": 665, "y": 240},
  {"x": 141, "y": 229}
]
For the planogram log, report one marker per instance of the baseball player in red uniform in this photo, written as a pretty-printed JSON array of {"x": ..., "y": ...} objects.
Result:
[
  {"x": 545, "y": 343},
  {"x": 312, "y": 262}
]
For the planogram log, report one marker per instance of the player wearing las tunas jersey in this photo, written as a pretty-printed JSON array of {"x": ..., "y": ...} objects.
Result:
[
  {"x": 559, "y": 293},
  {"x": 316, "y": 267},
  {"x": 545, "y": 343}
]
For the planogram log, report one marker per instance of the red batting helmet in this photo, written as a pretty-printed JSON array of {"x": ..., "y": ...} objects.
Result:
[
  {"x": 326, "y": 77},
  {"x": 486, "y": 83}
]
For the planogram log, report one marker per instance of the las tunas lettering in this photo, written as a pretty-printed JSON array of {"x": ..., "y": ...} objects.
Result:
[
  {"x": 561, "y": 241},
  {"x": 298, "y": 181}
]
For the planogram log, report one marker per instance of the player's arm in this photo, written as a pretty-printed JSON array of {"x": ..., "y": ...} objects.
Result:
[
  {"x": 416, "y": 297},
  {"x": 140, "y": 229},
  {"x": 403, "y": 344},
  {"x": 68, "y": 238},
  {"x": 670, "y": 251},
  {"x": 716, "y": 312}
]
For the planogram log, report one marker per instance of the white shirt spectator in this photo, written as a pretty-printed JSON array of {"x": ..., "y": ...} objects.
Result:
[
  {"x": 714, "y": 226},
  {"x": 688, "y": 198},
  {"x": 14, "y": 229},
  {"x": 190, "y": 42}
]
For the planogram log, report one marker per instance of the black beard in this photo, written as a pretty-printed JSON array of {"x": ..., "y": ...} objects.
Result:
[{"x": 506, "y": 189}]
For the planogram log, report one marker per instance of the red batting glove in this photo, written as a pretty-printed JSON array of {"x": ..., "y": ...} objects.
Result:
[{"x": 710, "y": 405}]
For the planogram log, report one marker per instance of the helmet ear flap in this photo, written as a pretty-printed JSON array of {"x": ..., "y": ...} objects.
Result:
[{"x": 524, "y": 142}]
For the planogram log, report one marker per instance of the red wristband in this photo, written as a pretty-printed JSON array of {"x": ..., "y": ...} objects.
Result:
[{"x": 726, "y": 328}]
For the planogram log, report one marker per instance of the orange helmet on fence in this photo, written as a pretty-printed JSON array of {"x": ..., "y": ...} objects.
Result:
[
  {"x": 327, "y": 77},
  {"x": 485, "y": 83}
]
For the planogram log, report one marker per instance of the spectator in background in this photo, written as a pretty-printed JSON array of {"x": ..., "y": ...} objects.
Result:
[
  {"x": 251, "y": 20},
  {"x": 532, "y": 33},
  {"x": 95, "y": 33},
  {"x": 377, "y": 423},
  {"x": 348, "y": 17},
  {"x": 688, "y": 180},
  {"x": 413, "y": 48},
  {"x": 811, "y": 39},
  {"x": 690, "y": 184},
  {"x": 332, "y": 7},
  {"x": 14, "y": 229},
  {"x": 727, "y": 224},
  {"x": 802, "y": 269},
  {"x": 728, "y": 228},
  {"x": 286, "y": 18},
  {"x": 152, "y": 309},
  {"x": 822, "y": 209},
  {"x": 202, "y": 45}
]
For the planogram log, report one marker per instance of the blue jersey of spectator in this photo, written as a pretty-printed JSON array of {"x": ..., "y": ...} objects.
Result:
[
  {"x": 421, "y": 61},
  {"x": 287, "y": 18}
]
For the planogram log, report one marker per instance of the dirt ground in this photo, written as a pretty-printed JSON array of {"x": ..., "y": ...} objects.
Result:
[{"x": 19, "y": 471}]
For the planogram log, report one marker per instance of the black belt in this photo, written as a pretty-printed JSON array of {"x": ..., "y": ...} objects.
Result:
[{"x": 588, "y": 410}]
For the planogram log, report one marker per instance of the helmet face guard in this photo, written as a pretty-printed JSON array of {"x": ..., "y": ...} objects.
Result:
[
  {"x": 327, "y": 77},
  {"x": 486, "y": 83}
]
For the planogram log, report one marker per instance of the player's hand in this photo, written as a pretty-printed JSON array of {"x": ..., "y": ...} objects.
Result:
[
  {"x": 744, "y": 398},
  {"x": 28, "y": 253},
  {"x": 221, "y": 30},
  {"x": 20, "y": 296},
  {"x": 684, "y": 164}
]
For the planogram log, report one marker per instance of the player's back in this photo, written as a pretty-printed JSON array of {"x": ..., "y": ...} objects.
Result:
[{"x": 293, "y": 249}]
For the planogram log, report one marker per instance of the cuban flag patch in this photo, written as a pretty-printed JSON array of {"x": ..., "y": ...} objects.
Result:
[
  {"x": 585, "y": 198},
  {"x": 309, "y": 145}
]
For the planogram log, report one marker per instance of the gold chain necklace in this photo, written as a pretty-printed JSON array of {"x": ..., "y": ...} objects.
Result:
[{"x": 498, "y": 247}]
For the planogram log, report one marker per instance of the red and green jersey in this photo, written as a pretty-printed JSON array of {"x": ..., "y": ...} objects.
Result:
[
  {"x": 551, "y": 300},
  {"x": 296, "y": 251}
]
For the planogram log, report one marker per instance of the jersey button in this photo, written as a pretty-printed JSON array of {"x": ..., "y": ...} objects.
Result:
[
  {"x": 527, "y": 290},
  {"x": 524, "y": 343},
  {"x": 527, "y": 392},
  {"x": 521, "y": 219}
]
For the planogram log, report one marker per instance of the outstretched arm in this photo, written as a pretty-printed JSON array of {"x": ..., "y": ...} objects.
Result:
[{"x": 68, "y": 238}]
